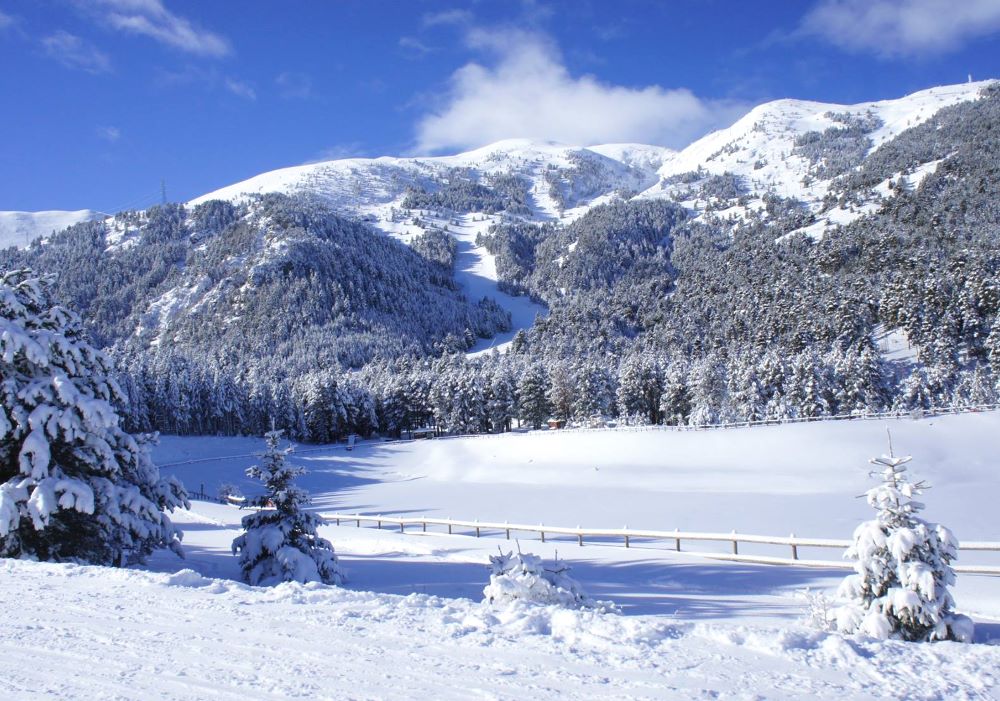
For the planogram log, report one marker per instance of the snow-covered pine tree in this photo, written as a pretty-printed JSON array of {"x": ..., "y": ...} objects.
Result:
[
  {"x": 74, "y": 486},
  {"x": 280, "y": 543},
  {"x": 902, "y": 568},
  {"x": 533, "y": 398}
]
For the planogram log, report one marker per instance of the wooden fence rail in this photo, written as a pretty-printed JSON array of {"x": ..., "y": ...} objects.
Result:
[{"x": 627, "y": 535}]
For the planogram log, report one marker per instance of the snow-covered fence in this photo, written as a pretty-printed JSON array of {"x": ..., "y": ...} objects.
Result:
[{"x": 674, "y": 538}]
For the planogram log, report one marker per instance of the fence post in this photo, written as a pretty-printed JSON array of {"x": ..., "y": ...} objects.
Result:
[
  {"x": 736, "y": 548},
  {"x": 380, "y": 522},
  {"x": 401, "y": 527},
  {"x": 424, "y": 523},
  {"x": 542, "y": 532},
  {"x": 579, "y": 536},
  {"x": 677, "y": 541},
  {"x": 338, "y": 520},
  {"x": 626, "y": 535},
  {"x": 449, "y": 526},
  {"x": 508, "y": 530},
  {"x": 359, "y": 522},
  {"x": 795, "y": 549}
]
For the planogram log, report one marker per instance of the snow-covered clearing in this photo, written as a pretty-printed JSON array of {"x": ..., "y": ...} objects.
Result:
[{"x": 409, "y": 622}]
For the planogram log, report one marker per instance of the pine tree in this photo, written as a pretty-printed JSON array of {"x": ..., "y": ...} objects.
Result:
[
  {"x": 903, "y": 568},
  {"x": 533, "y": 393},
  {"x": 73, "y": 484},
  {"x": 280, "y": 543}
]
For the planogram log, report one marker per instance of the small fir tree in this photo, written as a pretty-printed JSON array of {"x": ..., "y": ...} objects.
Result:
[
  {"x": 902, "y": 568},
  {"x": 74, "y": 486},
  {"x": 280, "y": 543}
]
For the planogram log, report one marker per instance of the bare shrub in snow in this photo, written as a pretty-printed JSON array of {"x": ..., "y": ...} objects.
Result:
[
  {"x": 524, "y": 577},
  {"x": 902, "y": 568},
  {"x": 280, "y": 543}
]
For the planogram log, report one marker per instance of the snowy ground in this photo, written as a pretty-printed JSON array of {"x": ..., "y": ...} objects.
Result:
[
  {"x": 92, "y": 633},
  {"x": 409, "y": 622}
]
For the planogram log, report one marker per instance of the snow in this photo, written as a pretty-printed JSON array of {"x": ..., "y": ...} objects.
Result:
[
  {"x": 894, "y": 345},
  {"x": 19, "y": 229},
  {"x": 767, "y": 135},
  {"x": 410, "y": 621},
  {"x": 135, "y": 635}
]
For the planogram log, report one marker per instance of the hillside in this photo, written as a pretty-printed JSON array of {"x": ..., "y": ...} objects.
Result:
[{"x": 810, "y": 260}]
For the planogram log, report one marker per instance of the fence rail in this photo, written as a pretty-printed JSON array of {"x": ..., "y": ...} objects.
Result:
[{"x": 676, "y": 537}]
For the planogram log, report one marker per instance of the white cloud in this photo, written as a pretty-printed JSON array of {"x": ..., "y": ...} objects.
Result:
[
  {"x": 150, "y": 18},
  {"x": 5, "y": 20},
  {"x": 73, "y": 52},
  {"x": 414, "y": 47},
  {"x": 350, "y": 149},
  {"x": 447, "y": 17},
  {"x": 897, "y": 28},
  {"x": 111, "y": 134},
  {"x": 240, "y": 88},
  {"x": 294, "y": 85},
  {"x": 530, "y": 93}
]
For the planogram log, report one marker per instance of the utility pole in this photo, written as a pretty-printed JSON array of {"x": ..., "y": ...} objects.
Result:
[{"x": 163, "y": 191}]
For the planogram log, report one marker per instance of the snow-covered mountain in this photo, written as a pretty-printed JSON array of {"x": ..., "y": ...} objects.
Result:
[
  {"x": 768, "y": 150},
  {"x": 764, "y": 149},
  {"x": 21, "y": 228},
  {"x": 371, "y": 187},
  {"x": 789, "y": 159}
]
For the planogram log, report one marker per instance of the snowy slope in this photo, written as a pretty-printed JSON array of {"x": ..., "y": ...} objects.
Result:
[
  {"x": 21, "y": 228},
  {"x": 371, "y": 186},
  {"x": 758, "y": 147}
]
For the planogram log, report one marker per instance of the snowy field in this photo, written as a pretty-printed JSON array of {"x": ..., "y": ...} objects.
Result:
[{"x": 409, "y": 622}]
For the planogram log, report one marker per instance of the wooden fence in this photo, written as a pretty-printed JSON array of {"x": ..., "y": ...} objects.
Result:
[{"x": 627, "y": 536}]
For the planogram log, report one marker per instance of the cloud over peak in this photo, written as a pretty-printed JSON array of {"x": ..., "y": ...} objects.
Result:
[{"x": 529, "y": 92}]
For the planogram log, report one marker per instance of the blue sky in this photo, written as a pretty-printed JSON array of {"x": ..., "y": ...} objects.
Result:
[{"x": 104, "y": 98}]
